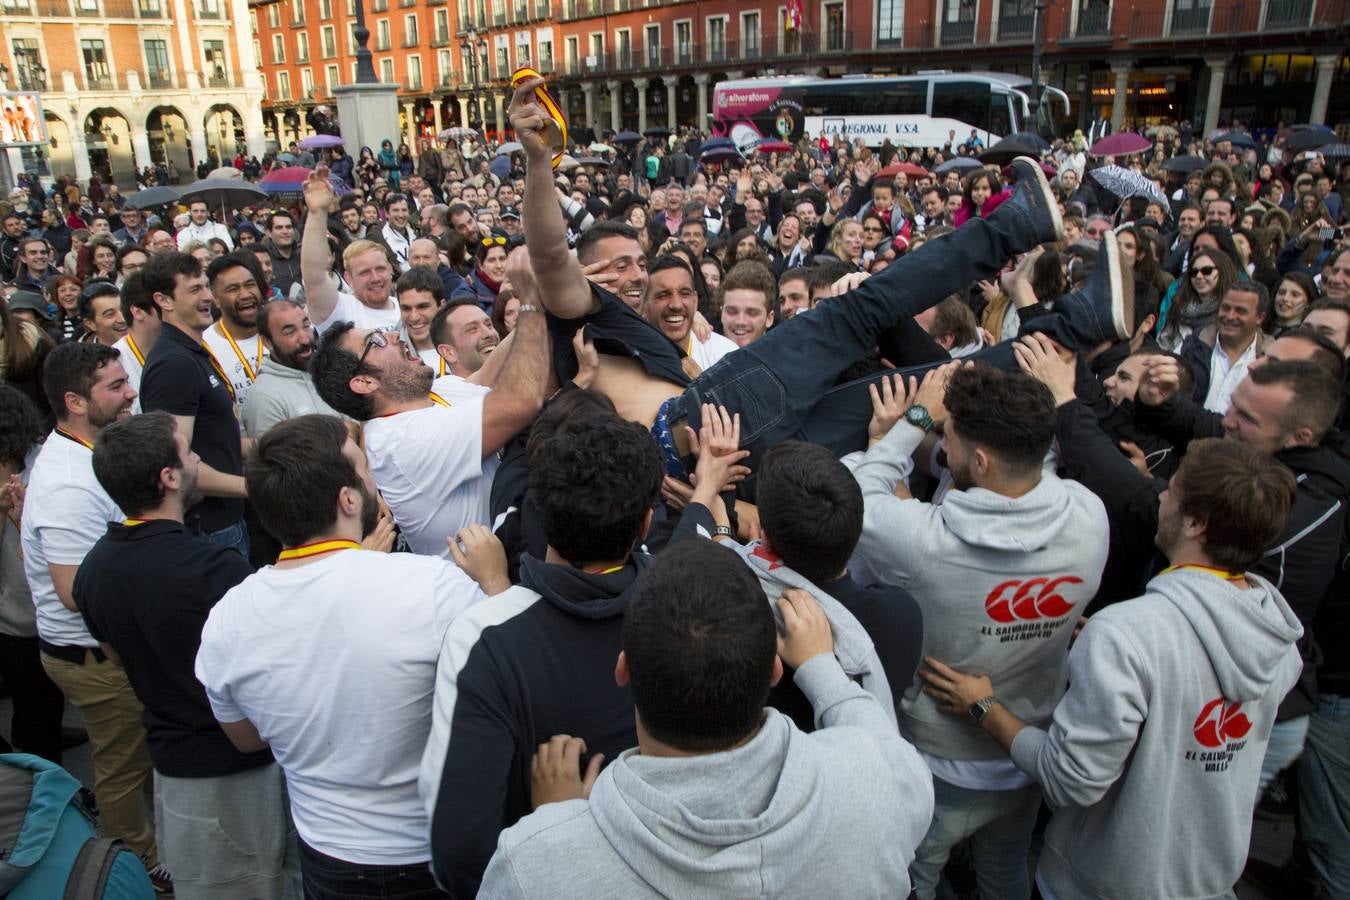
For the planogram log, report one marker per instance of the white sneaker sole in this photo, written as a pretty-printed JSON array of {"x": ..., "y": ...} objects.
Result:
[{"x": 1110, "y": 257}]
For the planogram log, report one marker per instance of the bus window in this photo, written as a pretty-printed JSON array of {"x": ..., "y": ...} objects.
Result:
[
  {"x": 965, "y": 101},
  {"x": 1000, "y": 116}
]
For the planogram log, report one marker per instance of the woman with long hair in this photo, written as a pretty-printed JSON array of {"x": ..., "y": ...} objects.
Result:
[
  {"x": 846, "y": 243},
  {"x": 637, "y": 217},
  {"x": 23, "y": 349},
  {"x": 1196, "y": 303},
  {"x": 367, "y": 169},
  {"x": 388, "y": 161},
  {"x": 1294, "y": 296},
  {"x": 406, "y": 164},
  {"x": 1308, "y": 211},
  {"x": 505, "y": 312},
  {"x": 63, "y": 292},
  {"x": 977, "y": 191}
]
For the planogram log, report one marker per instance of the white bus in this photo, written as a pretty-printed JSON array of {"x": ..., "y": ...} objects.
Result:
[{"x": 910, "y": 110}]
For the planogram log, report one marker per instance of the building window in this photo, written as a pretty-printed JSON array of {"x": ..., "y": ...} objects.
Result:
[
  {"x": 958, "y": 21},
  {"x": 717, "y": 39},
  {"x": 597, "y": 55},
  {"x": 1190, "y": 16},
  {"x": 572, "y": 52},
  {"x": 387, "y": 70},
  {"x": 890, "y": 21},
  {"x": 684, "y": 50},
  {"x": 750, "y": 35},
  {"x": 835, "y": 38},
  {"x": 445, "y": 67},
  {"x": 157, "y": 69},
  {"x": 652, "y": 40},
  {"x": 442, "y": 22},
  {"x": 325, "y": 9},
  {"x": 278, "y": 48},
  {"x": 414, "y": 73},
  {"x": 499, "y": 13},
  {"x": 523, "y": 50},
  {"x": 330, "y": 76},
  {"x": 410, "y": 38},
  {"x": 351, "y": 37},
  {"x": 307, "y": 83},
  {"x": 623, "y": 48},
  {"x": 27, "y": 60},
  {"x": 545, "y": 41},
  {"x": 283, "y": 85},
  {"x": 96, "y": 74},
  {"x": 328, "y": 35},
  {"x": 502, "y": 56},
  {"x": 253, "y": 20},
  {"x": 382, "y": 34},
  {"x": 302, "y": 47},
  {"x": 274, "y": 16},
  {"x": 216, "y": 72},
  {"x": 463, "y": 22},
  {"x": 297, "y": 12}
]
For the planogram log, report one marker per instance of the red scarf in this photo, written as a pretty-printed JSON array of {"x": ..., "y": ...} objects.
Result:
[{"x": 494, "y": 286}]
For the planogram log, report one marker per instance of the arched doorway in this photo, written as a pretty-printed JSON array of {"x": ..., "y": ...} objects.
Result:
[
  {"x": 59, "y": 159},
  {"x": 107, "y": 134},
  {"x": 224, "y": 128},
  {"x": 166, "y": 129}
]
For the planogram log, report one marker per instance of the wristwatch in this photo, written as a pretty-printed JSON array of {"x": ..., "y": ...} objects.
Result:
[
  {"x": 918, "y": 416},
  {"x": 980, "y": 708}
]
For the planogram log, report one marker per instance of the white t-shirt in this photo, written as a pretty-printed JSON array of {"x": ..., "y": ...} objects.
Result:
[
  {"x": 335, "y": 664},
  {"x": 433, "y": 360},
  {"x": 242, "y": 367},
  {"x": 66, "y": 513},
  {"x": 429, "y": 466},
  {"x": 705, "y": 353},
  {"x": 349, "y": 309},
  {"x": 133, "y": 366}
]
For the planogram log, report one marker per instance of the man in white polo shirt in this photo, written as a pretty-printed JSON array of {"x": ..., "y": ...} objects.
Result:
[
  {"x": 329, "y": 658},
  {"x": 201, "y": 228},
  {"x": 371, "y": 303},
  {"x": 67, "y": 512},
  {"x": 432, "y": 442}
]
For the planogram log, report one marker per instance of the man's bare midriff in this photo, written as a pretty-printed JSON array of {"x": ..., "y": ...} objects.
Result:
[{"x": 636, "y": 395}]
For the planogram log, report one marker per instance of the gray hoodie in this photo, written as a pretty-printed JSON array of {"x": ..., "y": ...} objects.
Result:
[
  {"x": 1152, "y": 761},
  {"x": 834, "y": 813},
  {"x": 1001, "y": 582},
  {"x": 280, "y": 393}
]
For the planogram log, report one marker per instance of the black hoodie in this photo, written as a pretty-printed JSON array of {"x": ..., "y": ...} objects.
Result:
[{"x": 535, "y": 661}]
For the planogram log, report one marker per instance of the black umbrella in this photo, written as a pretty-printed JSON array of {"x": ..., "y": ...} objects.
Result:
[
  {"x": 593, "y": 161},
  {"x": 223, "y": 192},
  {"x": 1237, "y": 139},
  {"x": 1184, "y": 164},
  {"x": 1309, "y": 138},
  {"x": 657, "y": 132},
  {"x": 959, "y": 164},
  {"x": 161, "y": 195},
  {"x": 1032, "y": 139},
  {"x": 1008, "y": 149},
  {"x": 627, "y": 137}
]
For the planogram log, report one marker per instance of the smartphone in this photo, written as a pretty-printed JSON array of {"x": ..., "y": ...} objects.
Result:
[{"x": 1328, "y": 234}]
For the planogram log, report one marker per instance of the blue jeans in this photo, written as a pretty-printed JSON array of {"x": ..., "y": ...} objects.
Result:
[
  {"x": 999, "y": 824},
  {"x": 327, "y": 878},
  {"x": 1324, "y": 793},
  {"x": 1286, "y": 743},
  {"x": 783, "y": 385},
  {"x": 235, "y": 536}
]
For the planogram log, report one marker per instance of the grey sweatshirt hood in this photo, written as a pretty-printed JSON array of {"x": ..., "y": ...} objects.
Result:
[
  {"x": 1245, "y": 641},
  {"x": 1029, "y": 523},
  {"x": 708, "y": 825}
]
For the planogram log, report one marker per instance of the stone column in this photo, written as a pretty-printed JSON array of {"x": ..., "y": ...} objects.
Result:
[
  {"x": 1326, "y": 70},
  {"x": 436, "y": 110},
  {"x": 482, "y": 110},
  {"x": 1121, "y": 71},
  {"x": 197, "y": 138},
  {"x": 642, "y": 84},
  {"x": 564, "y": 103},
  {"x": 615, "y": 105},
  {"x": 588, "y": 89},
  {"x": 1215, "y": 98},
  {"x": 499, "y": 106},
  {"x": 701, "y": 83},
  {"x": 410, "y": 116},
  {"x": 672, "y": 85},
  {"x": 140, "y": 149},
  {"x": 79, "y": 154},
  {"x": 463, "y": 110}
]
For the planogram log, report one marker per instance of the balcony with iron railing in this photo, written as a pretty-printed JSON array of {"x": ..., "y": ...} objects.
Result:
[
  {"x": 219, "y": 80},
  {"x": 440, "y": 37},
  {"x": 329, "y": 49},
  {"x": 542, "y": 10},
  {"x": 99, "y": 82},
  {"x": 409, "y": 41},
  {"x": 1243, "y": 18},
  {"x": 1093, "y": 22},
  {"x": 1015, "y": 27},
  {"x": 1288, "y": 13},
  {"x": 520, "y": 12},
  {"x": 545, "y": 65},
  {"x": 159, "y": 79}
]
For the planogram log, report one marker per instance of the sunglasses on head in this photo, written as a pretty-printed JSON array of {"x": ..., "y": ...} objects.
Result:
[
  {"x": 1204, "y": 270},
  {"x": 494, "y": 241}
]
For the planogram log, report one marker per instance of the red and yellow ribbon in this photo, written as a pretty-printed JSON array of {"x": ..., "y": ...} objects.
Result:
[
  {"x": 1219, "y": 573},
  {"x": 73, "y": 437},
  {"x": 316, "y": 548},
  {"x": 215, "y": 364},
  {"x": 132, "y": 523},
  {"x": 135, "y": 351},
  {"x": 438, "y": 399},
  {"x": 559, "y": 140},
  {"x": 250, "y": 370}
]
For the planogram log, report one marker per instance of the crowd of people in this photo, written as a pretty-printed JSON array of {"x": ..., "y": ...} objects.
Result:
[{"x": 652, "y": 527}]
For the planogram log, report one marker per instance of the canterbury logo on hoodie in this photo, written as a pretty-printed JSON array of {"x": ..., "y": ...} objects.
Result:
[
  {"x": 1220, "y": 728},
  {"x": 1025, "y": 601}
]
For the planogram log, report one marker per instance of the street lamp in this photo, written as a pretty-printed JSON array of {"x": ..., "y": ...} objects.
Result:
[
  {"x": 365, "y": 68},
  {"x": 1037, "y": 39},
  {"x": 470, "y": 47}
]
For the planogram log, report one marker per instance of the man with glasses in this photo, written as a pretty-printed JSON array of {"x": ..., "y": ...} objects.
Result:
[{"x": 133, "y": 227}]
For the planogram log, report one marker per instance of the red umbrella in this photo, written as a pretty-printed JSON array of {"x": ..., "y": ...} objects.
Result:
[
  {"x": 769, "y": 145},
  {"x": 913, "y": 170},
  {"x": 1120, "y": 144}
]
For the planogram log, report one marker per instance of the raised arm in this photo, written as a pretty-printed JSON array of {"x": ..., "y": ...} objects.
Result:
[
  {"x": 518, "y": 389},
  {"x": 320, "y": 292},
  {"x": 563, "y": 290}
]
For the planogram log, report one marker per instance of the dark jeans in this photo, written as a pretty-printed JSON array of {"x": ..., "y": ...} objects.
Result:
[
  {"x": 784, "y": 384},
  {"x": 35, "y": 726},
  {"x": 327, "y": 878},
  {"x": 235, "y": 536}
]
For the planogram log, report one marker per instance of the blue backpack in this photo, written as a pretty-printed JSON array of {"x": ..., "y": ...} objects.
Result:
[{"x": 48, "y": 847}]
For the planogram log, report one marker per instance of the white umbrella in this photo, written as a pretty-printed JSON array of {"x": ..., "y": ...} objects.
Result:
[
  {"x": 509, "y": 147},
  {"x": 598, "y": 147}
]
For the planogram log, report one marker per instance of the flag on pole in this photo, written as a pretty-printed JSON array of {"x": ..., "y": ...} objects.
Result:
[{"x": 794, "y": 15}]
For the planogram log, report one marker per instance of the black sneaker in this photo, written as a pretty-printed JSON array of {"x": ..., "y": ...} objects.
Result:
[
  {"x": 1033, "y": 205},
  {"x": 1095, "y": 313},
  {"x": 160, "y": 878}
]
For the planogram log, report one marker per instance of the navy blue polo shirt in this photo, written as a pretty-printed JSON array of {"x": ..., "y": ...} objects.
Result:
[{"x": 181, "y": 379}]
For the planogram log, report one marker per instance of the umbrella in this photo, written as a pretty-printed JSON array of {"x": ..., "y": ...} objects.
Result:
[
  {"x": 720, "y": 154},
  {"x": 288, "y": 158},
  {"x": 1008, "y": 149},
  {"x": 222, "y": 192},
  {"x": 657, "y": 132},
  {"x": 911, "y": 169},
  {"x": 1167, "y": 132},
  {"x": 225, "y": 172},
  {"x": 601, "y": 148},
  {"x": 509, "y": 147},
  {"x": 593, "y": 161},
  {"x": 153, "y": 196},
  {"x": 1335, "y": 151},
  {"x": 291, "y": 180},
  {"x": 458, "y": 133},
  {"x": 773, "y": 145},
  {"x": 500, "y": 166},
  {"x": 1309, "y": 139},
  {"x": 713, "y": 143},
  {"x": 627, "y": 137},
  {"x": 1033, "y": 139},
  {"x": 1184, "y": 164},
  {"x": 567, "y": 164},
  {"x": 959, "y": 164},
  {"x": 320, "y": 142},
  {"x": 1120, "y": 144},
  {"x": 1127, "y": 183},
  {"x": 1237, "y": 139}
]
